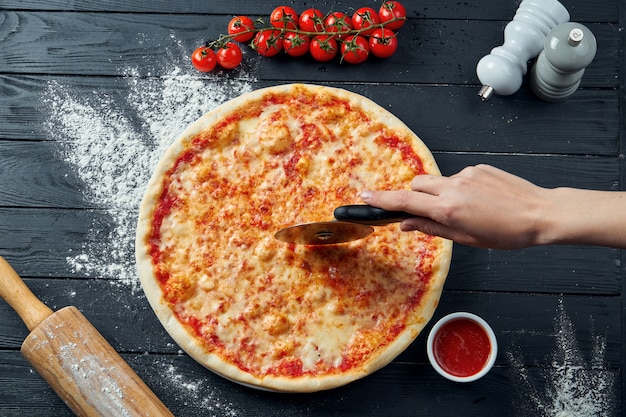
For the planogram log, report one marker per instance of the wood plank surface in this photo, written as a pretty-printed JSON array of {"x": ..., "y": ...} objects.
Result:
[
  {"x": 531, "y": 329},
  {"x": 409, "y": 377},
  {"x": 503, "y": 125},
  {"x": 425, "y": 53},
  {"x": 47, "y": 238},
  {"x": 419, "y": 390},
  {"x": 200, "y": 393},
  {"x": 553, "y": 308},
  {"x": 33, "y": 173},
  {"x": 606, "y": 11}
]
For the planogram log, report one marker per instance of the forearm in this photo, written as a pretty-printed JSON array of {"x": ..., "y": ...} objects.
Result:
[
  {"x": 584, "y": 217},
  {"x": 487, "y": 207}
]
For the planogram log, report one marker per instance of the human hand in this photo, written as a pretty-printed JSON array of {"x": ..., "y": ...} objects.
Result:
[{"x": 479, "y": 206}]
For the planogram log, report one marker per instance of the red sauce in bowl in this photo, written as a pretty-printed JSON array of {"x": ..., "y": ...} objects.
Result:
[{"x": 461, "y": 347}]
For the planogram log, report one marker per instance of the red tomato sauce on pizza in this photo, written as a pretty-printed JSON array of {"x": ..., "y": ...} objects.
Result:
[{"x": 284, "y": 310}]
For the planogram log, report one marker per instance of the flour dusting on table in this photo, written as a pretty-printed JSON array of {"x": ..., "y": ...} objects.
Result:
[
  {"x": 573, "y": 386},
  {"x": 114, "y": 151},
  {"x": 113, "y": 137},
  {"x": 197, "y": 393}
]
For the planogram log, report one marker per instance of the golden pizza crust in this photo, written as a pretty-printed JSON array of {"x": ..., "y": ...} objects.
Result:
[{"x": 196, "y": 349}]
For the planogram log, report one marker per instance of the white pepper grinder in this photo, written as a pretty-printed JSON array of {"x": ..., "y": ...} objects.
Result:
[
  {"x": 569, "y": 48},
  {"x": 503, "y": 69}
]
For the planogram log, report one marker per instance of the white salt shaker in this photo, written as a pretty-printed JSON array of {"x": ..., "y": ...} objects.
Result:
[
  {"x": 569, "y": 48},
  {"x": 503, "y": 69}
]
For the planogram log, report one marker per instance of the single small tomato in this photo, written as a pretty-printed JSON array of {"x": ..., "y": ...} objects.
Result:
[
  {"x": 383, "y": 43},
  {"x": 323, "y": 48},
  {"x": 338, "y": 22},
  {"x": 391, "y": 10},
  {"x": 241, "y": 28},
  {"x": 284, "y": 17},
  {"x": 204, "y": 59},
  {"x": 311, "y": 20},
  {"x": 364, "y": 18},
  {"x": 355, "y": 49},
  {"x": 268, "y": 42},
  {"x": 296, "y": 44},
  {"x": 229, "y": 56}
]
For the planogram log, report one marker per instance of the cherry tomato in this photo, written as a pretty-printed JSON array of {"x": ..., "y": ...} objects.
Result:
[
  {"x": 383, "y": 43},
  {"x": 229, "y": 56},
  {"x": 323, "y": 48},
  {"x": 355, "y": 49},
  {"x": 296, "y": 44},
  {"x": 364, "y": 18},
  {"x": 240, "y": 24},
  {"x": 338, "y": 22},
  {"x": 390, "y": 10},
  {"x": 268, "y": 42},
  {"x": 284, "y": 17},
  {"x": 203, "y": 59},
  {"x": 311, "y": 20}
]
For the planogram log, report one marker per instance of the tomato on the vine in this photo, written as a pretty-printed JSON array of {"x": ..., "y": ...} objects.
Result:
[
  {"x": 363, "y": 18},
  {"x": 284, "y": 17},
  {"x": 311, "y": 20},
  {"x": 383, "y": 43},
  {"x": 355, "y": 49},
  {"x": 323, "y": 48},
  {"x": 363, "y": 33},
  {"x": 268, "y": 42},
  {"x": 390, "y": 10},
  {"x": 239, "y": 24},
  {"x": 204, "y": 59},
  {"x": 296, "y": 44},
  {"x": 338, "y": 22},
  {"x": 229, "y": 56}
]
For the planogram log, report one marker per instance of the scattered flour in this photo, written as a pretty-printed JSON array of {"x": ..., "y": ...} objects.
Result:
[
  {"x": 571, "y": 386},
  {"x": 114, "y": 139},
  {"x": 197, "y": 395}
]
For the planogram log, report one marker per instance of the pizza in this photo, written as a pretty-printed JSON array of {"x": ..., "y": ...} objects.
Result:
[{"x": 276, "y": 315}]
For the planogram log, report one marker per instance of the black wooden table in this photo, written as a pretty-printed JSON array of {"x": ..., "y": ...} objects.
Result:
[{"x": 88, "y": 89}]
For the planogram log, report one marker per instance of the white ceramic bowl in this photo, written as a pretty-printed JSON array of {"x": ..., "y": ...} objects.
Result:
[{"x": 490, "y": 334}]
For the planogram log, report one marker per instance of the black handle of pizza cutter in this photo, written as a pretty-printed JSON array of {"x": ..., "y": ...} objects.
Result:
[{"x": 366, "y": 214}]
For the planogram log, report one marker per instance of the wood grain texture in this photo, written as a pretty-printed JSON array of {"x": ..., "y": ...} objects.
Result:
[
  {"x": 503, "y": 125},
  {"x": 72, "y": 356},
  {"x": 36, "y": 176},
  {"x": 15, "y": 292},
  {"x": 85, "y": 371},
  {"x": 430, "y": 51},
  {"x": 417, "y": 390},
  {"x": 606, "y": 11},
  {"x": 531, "y": 329}
]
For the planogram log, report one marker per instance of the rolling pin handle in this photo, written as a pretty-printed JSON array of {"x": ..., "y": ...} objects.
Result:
[{"x": 15, "y": 292}]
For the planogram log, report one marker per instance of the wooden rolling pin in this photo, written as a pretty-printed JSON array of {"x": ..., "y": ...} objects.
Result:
[{"x": 74, "y": 358}]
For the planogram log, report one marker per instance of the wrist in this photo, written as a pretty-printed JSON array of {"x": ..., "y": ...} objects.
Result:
[
  {"x": 576, "y": 216},
  {"x": 556, "y": 217}
]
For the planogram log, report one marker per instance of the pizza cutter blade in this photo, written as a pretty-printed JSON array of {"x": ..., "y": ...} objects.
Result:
[
  {"x": 323, "y": 233},
  {"x": 353, "y": 222}
]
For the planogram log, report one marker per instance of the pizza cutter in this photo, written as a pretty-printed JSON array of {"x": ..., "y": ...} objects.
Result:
[{"x": 352, "y": 222}]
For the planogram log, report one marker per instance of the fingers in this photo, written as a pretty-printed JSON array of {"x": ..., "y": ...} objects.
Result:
[
  {"x": 420, "y": 200},
  {"x": 416, "y": 203},
  {"x": 431, "y": 227},
  {"x": 430, "y": 184},
  {"x": 424, "y": 225}
]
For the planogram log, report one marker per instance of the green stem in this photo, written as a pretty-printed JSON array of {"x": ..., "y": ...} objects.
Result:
[{"x": 224, "y": 39}]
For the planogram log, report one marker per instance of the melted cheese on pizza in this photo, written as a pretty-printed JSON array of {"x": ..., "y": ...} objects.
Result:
[{"x": 272, "y": 308}]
